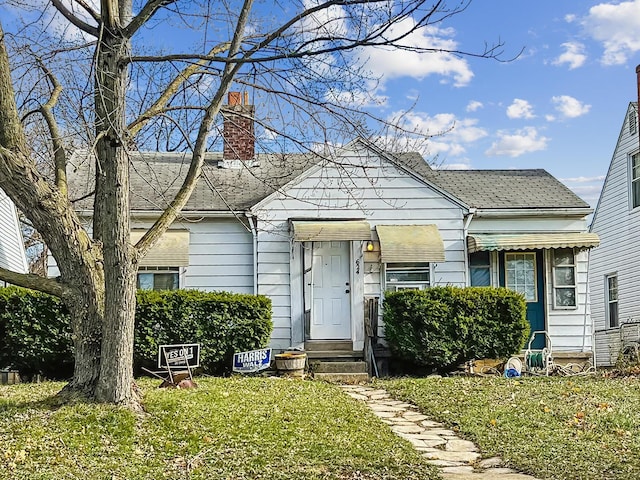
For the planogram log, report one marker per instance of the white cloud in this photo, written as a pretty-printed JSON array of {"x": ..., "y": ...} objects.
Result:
[
  {"x": 573, "y": 55},
  {"x": 388, "y": 62},
  {"x": 598, "y": 178},
  {"x": 474, "y": 105},
  {"x": 570, "y": 107},
  {"x": 515, "y": 144},
  {"x": 444, "y": 133},
  {"x": 520, "y": 109},
  {"x": 570, "y": 18},
  {"x": 616, "y": 26}
]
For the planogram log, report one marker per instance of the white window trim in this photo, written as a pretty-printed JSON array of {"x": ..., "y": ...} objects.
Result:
[
  {"x": 535, "y": 272},
  {"x": 407, "y": 285},
  {"x": 608, "y": 302},
  {"x": 632, "y": 180},
  {"x": 575, "y": 280},
  {"x": 180, "y": 271}
]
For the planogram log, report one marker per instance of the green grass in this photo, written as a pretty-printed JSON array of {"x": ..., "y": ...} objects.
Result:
[
  {"x": 238, "y": 428},
  {"x": 555, "y": 428}
]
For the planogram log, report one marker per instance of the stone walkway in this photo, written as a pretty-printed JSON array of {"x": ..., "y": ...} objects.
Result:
[{"x": 457, "y": 459}]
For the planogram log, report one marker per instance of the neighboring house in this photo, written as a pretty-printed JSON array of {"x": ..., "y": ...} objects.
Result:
[
  {"x": 12, "y": 254},
  {"x": 614, "y": 273},
  {"x": 324, "y": 239}
]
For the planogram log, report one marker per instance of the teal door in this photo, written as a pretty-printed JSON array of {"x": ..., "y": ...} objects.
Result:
[{"x": 524, "y": 273}]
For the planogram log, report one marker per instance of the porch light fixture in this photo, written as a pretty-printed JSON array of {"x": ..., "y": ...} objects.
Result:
[{"x": 369, "y": 246}]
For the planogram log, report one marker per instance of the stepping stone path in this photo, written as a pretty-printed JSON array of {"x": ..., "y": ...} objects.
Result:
[{"x": 457, "y": 459}]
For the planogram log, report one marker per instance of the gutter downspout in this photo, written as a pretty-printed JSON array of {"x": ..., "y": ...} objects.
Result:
[
  {"x": 587, "y": 305},
  {"x": 465, "y": 231},
  {"x": 253, "y": 221}
]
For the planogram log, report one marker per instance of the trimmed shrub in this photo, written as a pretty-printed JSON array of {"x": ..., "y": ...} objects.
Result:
[
  {"x": 221, "y": 322},
  {"x": 36, "y": 338},
  {"x": 442, "y": 327},
  {"x": 35, "y": 335}
]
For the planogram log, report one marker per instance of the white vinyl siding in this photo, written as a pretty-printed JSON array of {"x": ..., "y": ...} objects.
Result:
[
  {"x": 12, "y": 254},
  {"x": 379, "y": 193},
  {"x": 618, "y": 225}
]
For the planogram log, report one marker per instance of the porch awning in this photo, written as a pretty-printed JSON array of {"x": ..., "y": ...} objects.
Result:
[
  {"x": 410, "y": 243},
  {"x": 326, "y": 231},
  {"x": 531, "y": 241},
  {"x": 172, "y": 250}
]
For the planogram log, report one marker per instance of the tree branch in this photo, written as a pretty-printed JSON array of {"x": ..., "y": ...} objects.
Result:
[
  {"x": 148, "y": 11},
  {"x": 85, "y": 27},
  {"x": 195, "y": 168},
  {"x": 59, "y": 155},
  {"x": 173, "y": 87},
  {"x": 36, "y": 282}
]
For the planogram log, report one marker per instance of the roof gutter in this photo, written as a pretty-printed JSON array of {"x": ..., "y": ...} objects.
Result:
[
  {"x": 534, "y": 212},
  {"x": 184, "y": 213}
]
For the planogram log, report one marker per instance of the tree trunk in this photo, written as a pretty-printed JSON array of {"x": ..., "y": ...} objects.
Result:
[{"x": 112, "y": 222}]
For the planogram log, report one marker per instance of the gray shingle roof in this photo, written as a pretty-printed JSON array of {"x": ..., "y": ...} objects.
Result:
[
  {"x": 499, "y": 189},
  {"x": 156, "y": 177}
]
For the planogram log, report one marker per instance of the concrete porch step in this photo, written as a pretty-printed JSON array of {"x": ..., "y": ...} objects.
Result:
[
  {"x": 335, "y": 355},
  {"x": 341, "y": 367},
  {"x": 349, "y": 378},
  {"x": 325, "y": 345}
]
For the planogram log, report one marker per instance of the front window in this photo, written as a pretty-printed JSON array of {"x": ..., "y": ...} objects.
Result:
[
  {"x": 612, "y": 300},
  {"x": 407, "y": 276},
  {"x": 480, "y": 269},
  {"x": 564, "y": 278},
  {"x": 158, "y": 278},
  {"x": 521, "y": 274},
  {"x": 635, "y": 180}
]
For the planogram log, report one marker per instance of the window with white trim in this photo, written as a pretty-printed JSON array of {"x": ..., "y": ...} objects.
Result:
[
  {"x": 480, "y": 269},
  {"x": 635, "y": 180},
  {"x": 564, "y": 279},
  {"x": 158, "y": 278},
  {"x": 521, "y": 274},
  {"x": 611, "y": 296},
  {"x": 407, "y": 276}
]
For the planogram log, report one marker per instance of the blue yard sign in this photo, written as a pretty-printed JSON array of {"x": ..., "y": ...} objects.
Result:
[{"x": 253, "y": 361}]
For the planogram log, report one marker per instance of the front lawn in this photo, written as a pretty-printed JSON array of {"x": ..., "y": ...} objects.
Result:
[
  {"x": 573, "y": 428},
  {"x": 237, "y": 428}
]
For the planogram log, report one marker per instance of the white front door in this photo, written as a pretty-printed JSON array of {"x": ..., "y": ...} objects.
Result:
[{"x": 331, "y": 313}]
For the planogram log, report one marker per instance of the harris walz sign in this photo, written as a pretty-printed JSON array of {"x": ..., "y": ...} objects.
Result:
[{"x": 252, "y": 361}]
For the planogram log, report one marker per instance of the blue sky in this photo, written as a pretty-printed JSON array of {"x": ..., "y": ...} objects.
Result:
[{"x": 559, "y": 106}]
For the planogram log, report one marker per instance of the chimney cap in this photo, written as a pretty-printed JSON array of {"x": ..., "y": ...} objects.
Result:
[{"x": 235, "y": 98}]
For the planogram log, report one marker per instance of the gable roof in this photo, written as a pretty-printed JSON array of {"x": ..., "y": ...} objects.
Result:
[
  {"x": 507, "y": 189},
  {"x": 156, "y": 177}
]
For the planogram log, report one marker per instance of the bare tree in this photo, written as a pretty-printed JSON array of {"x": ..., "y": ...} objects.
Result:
[{"x": 76, "y": 73}]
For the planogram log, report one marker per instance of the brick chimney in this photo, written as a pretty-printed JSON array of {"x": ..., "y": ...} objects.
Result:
[{"x": 238, "y": 132}]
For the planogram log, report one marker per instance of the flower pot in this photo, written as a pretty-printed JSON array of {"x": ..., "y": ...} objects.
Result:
[{"x": 291, "y": 363}]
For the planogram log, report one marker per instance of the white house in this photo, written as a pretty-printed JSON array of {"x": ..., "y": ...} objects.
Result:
[
  {"x": 324, "y": 238},
  {"x": 12, "y": 254},
  {"x": 614, "y": 272}
]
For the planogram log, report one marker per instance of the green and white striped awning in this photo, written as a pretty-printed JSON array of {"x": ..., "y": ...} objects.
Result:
[{"x": 530, "y": 241}]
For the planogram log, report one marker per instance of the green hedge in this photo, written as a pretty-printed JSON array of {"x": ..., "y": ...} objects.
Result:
[
  {"x": 35, "y": 336},
  {"x": 221, "y": 322},
  {"x": 442, "y": 327}
]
